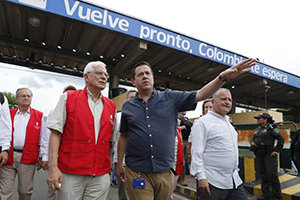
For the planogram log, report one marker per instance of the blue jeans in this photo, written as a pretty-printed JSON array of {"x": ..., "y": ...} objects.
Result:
[{"x": 114, "y": 174}]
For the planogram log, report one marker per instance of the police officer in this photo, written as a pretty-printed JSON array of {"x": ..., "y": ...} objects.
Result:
[{"x": 262, "y": 144}]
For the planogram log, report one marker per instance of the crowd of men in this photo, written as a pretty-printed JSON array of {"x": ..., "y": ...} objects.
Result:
[{"x": 83, "y": 128}]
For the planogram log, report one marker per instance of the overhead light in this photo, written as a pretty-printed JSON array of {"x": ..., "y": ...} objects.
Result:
[
  {"x": 34, "y": 21},
  {"x": 211, "y": 69},
  {"x": 265, "y": 82}
]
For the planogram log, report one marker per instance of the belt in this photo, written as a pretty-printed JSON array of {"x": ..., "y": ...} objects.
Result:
[{"x": 18, "y": 150}]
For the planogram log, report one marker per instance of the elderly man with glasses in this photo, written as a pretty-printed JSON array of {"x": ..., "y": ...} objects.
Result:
[
  {"x": 81, "y": 138},
  {"x": 25, "y": 149}
]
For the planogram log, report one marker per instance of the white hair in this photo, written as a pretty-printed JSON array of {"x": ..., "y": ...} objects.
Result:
[
  {"x": 89, "y": 68},
  {"x": 216, "y": 94},
  {"x": 24, "y": 88}
]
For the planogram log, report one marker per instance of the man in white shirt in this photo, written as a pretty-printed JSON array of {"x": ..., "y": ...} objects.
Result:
[
  {"x": 215, "y": 152},
  {"x": 5, "y": 130},
  {"x": 28, "y": 127}
]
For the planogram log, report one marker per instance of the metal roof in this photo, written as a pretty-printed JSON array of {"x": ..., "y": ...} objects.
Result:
[{"x": 42, "y": 40}]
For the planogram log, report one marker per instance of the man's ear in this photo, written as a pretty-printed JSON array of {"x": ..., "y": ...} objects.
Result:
[
  {"x": 133, "y": 82},
  {"x": 85, "y": 77}
]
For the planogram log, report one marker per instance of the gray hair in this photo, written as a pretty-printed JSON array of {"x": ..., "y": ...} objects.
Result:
[
  {"x": 24, "y": 88},
  {"x": 216, "y": 94},
  {"x": 89, "y": 68}
]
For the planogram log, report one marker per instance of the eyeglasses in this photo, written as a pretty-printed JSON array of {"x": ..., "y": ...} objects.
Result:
[
  {"x": 25, "y": 95},
  {"x": 98, "y": 73}
]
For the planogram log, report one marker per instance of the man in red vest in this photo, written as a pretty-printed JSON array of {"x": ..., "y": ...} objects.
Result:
[
  {"x": 27, "y": 129},
  {"x": 81, "y": 132}
]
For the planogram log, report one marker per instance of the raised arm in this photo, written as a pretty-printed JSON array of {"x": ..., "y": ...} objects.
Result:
[{"x": 230, "y": 73}]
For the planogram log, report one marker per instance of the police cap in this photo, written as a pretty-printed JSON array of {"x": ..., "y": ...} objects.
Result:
[{"x": 263, "y": 115}]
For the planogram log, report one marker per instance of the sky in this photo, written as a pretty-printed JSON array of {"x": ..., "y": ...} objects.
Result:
[{"x": 264, "y": 29}]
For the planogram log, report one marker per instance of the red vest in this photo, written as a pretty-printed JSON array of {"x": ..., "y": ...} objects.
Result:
[
  {"x": 33, "y": 130},
  {"x": 180, "y": 154},
  {"x": 78, "y": 153}
]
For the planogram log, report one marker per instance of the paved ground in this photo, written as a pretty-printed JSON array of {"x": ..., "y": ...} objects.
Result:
[
  {"x": 190, "y": 189},
  {"x": 41, "y": 189}
]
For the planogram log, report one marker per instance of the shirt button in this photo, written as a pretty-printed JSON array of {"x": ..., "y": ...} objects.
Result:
[
  {"x": 147, "y": 117},
  {"x": 146, "y": 108},
  {"x": 152, "y": 156},
  {"x": 150, "y": 135},
  {"x": 149, "y": 125},
  {"x": 151, "y": 145}
]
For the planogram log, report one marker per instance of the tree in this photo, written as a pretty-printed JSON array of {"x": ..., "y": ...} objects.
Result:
[{"x": 12, "y": 101}]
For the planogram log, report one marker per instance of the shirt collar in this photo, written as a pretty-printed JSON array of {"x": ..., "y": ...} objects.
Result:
[
  {"x": 91, "y": 95},
  {"x": 19, "y": 112},
  {"x": 219, "y": 116},
  {"x": 154, "y": 93}
]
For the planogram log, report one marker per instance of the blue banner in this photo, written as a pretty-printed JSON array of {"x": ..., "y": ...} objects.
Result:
[{"x": 114, "y": 21}]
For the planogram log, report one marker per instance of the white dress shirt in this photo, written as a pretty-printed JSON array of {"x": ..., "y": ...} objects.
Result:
[
  {"x": 215, "y": 151},
  {"x": 117, "y": 134},
  {"x": 20, "y": 126},
  {"x": 45, "y": 140},
  {"x": 5, "y": 125}
]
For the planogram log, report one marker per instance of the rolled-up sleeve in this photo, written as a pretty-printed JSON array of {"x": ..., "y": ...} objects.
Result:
[{"x": 58, "y": 118}]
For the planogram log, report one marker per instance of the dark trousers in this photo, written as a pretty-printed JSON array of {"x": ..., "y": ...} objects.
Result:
[
  {"x": 222, "y": 194},
  {"x": 267, "y": 166}
]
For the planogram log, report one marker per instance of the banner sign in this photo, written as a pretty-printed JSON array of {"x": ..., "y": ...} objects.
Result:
[{"x": 88, "y": 13}]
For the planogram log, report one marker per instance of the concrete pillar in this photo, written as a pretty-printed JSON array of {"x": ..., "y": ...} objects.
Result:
[
  {"x": 113, "y": 83},
  {"x": 297, "y": 116}
]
